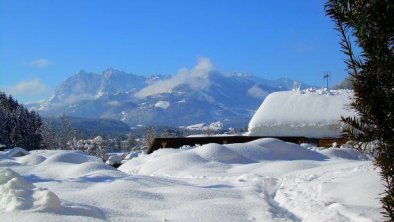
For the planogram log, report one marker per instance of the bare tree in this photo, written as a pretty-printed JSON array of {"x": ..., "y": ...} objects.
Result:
[
  {"x": 97, "y": 148},
  {"x": 48, "y": 132},
  {"x": 131, "y": 143},
  {"x": 67, "y": 133},
  {"x": 149, "y": 137}
]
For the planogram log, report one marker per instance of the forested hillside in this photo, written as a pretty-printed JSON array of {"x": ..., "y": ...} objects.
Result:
[{"x": 19, "y": 127}]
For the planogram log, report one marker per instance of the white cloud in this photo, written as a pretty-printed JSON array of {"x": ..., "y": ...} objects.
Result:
[
  {"x": 196, "y": 78},
  {"x": 28, "y": 88},
  {"x": 256, "y": 92},
  {"x": 75, "y": 98},
  {"x": 114, "y": 103},
  {"x": 40, "y": 63}
]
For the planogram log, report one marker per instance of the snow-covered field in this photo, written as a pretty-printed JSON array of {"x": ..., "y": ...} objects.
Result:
[{"x": 263, "y": 180}]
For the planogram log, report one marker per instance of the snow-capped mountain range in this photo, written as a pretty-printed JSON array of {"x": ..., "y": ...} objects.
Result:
[{"x": 198, "y": 95}]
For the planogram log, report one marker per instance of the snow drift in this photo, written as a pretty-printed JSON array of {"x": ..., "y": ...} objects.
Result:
[
  {"x": 32, "y": 159},
  {"x": 18, "y": 194},
  {"x": 264, "y": 180},
  {"x": 169, "y": 161},
  {"x": 71, "y": 157},
  {"x": 15, "y": 152}
]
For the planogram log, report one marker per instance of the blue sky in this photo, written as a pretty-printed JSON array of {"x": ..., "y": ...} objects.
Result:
[{"x": 43, "y": 42}]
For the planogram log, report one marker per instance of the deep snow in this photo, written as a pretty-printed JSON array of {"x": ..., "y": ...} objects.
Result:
[
  {"x": 309, "y": 113},
  {"x": 263, "y": 180}
]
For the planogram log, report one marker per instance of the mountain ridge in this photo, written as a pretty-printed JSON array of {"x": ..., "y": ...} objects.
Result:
[{"x": 198, "y": 95}]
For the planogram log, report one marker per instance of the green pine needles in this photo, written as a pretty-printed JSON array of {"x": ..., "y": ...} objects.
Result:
[
  {"x": 19, "y": 127},
  {"x": 369, "y": 24}
]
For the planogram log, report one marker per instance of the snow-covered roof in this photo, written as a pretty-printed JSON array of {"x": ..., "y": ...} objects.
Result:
[{"x": 309, "y": 113}]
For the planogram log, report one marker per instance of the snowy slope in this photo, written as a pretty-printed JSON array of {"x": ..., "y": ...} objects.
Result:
[
  {"x": 265, "y": 180},
  {"x": 302, "y": 113},
  {"x": 191, "y": 96}
]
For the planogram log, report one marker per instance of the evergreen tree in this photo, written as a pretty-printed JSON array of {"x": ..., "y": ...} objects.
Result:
[
  {"x": 19, "y": 127},
  {"x": 370, "y": 25},
  {"x": 4, "y": 139},
  {"x": 16, "y": 138},
  {"x": 19, "y": 133},
  {"x": 35, "y": 136}
]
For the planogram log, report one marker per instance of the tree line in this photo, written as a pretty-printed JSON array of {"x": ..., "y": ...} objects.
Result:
[{"x": 19, "y": 127}]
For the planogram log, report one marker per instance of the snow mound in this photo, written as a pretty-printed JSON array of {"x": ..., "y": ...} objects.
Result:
[
  {"x": 70, "y": 157},
  {"x": 344, "y": 153},
  {"x": 3, "y": 156},
  {"x": 163, "y": 162},
  {"x": 200, "y": 183},
  {"x": 216, "y": 158},
  {"x": 18, "y": 194},
  {"x": 90, "y": 168},
  {"x": 114, "y": 159},
  {"x": 16, "y": 152},
  {"x": 8, "y": 162},
  {"x": 176, "y": 161},
  {"x": 220, "y": 153},
  {"x": 302, "y": 113},
  {"x": 32, "y": 159},
  {"x": 274, "y": 149},
  {"x": 132, "y": 155}
]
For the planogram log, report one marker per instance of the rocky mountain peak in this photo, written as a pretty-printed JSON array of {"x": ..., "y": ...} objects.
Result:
[{"x": 197, "y": 96}]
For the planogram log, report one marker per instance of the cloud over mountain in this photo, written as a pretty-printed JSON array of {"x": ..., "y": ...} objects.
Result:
[
  {"x": 28, "y": 88},
  {"x": 197, "y": 95},
  {"x": 196, "y": 78}
]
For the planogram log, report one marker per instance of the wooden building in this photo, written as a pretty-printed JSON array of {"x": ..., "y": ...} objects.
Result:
[{"x": 177, "y": 142}]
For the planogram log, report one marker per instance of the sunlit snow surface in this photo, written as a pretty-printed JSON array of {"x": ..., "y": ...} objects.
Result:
[
  {"x": 264, "y": 180},
  {"x": 308, "y": 113}
]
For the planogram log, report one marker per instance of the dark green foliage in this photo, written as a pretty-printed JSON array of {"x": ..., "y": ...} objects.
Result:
[
  {"x": 18, "y": 126},
  {"x": 371, "y": 24}
]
